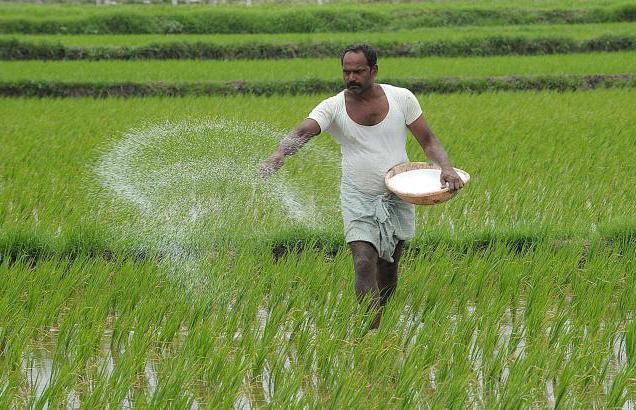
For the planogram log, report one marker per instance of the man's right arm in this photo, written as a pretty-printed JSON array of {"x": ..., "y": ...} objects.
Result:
[{"x": 289, "y": 145}]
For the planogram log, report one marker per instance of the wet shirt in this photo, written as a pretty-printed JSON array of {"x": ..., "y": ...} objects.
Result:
[{"x": 369, "y": 151}]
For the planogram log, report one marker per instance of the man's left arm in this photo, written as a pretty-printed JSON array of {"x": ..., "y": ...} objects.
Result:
[{"x": 436, "y": 153}]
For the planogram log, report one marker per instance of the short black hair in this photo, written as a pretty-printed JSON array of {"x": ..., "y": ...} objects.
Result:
[{"x": 366, "y": 49}]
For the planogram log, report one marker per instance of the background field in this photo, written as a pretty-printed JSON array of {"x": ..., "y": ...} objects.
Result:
[
  {"x": 324, "y": 69},
  {"x": 576, "y": 31},
  {"x": 144, "y": 263}
]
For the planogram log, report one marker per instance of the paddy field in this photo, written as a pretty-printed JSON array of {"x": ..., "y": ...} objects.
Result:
[{"x": 143, "y": 263}]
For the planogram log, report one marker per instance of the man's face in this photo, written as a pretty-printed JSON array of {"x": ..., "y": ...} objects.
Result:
[{"x": 356, "y": 73}]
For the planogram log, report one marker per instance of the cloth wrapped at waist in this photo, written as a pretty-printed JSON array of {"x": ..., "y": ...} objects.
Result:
[{"x": 382, "y": 219}]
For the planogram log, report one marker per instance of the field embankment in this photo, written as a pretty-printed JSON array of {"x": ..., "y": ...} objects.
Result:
[
  {"x": 312, "y": 86},
  {"x": 56, "y": 49},
  {"x": 455, "y": 33}
]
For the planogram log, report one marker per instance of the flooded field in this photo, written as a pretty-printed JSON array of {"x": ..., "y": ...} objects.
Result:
[{"x": 542, "y": 328}]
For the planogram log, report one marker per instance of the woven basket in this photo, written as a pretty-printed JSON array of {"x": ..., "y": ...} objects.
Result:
[{"x": 430, "y": 198}]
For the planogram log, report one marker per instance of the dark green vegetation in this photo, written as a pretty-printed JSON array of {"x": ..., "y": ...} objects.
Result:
[
  {"x": 311, "y": 86},
  {"x": 17, "y": 50}
]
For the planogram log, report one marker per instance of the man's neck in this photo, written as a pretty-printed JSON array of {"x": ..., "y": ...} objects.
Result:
[{"x": 372, "y": 93}]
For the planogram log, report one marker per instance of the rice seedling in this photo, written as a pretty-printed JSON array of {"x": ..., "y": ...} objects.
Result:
[
  {"x": 325, "y": 69},
  {"x": 84, "y": 10},
  {"x": 472, "y": 329},
  {"x": 562, "y": 140}
]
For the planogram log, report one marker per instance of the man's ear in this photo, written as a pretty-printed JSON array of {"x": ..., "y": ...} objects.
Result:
[{"x": 374, "y": 69}]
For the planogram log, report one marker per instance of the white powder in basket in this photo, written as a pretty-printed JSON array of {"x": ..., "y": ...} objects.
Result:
[{"x": 417, "y": 181}]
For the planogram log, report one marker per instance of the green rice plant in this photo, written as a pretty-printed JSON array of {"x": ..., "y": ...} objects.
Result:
[
  {"x": 183, "y": 71},
  {"x": 630, "y": 342},
  {"x": 295, "y": 317},
  {"x": 69, "y": 212},
  {"x": 59, "y": 10},
  {"x": 62, "y": 9}
]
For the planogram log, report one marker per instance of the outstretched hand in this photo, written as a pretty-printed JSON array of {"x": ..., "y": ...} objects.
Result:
[
  {"x": 450, "y": 179},
  {"x": 270, "y": 165}
]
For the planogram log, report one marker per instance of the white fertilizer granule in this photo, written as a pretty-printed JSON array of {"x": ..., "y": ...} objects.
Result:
[
  {"x": 417, "y": 181},
  {"x": 178, "y": 186}
]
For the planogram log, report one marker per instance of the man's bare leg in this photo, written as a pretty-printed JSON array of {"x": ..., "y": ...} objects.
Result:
[
  {"x": 388, "y": 274},
  {"x": 365, "y": 263}
]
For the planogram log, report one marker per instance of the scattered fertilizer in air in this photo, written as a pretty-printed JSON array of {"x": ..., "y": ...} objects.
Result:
[{"x": 179, "y": 185}]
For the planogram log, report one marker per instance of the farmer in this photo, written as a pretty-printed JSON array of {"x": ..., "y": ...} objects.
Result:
[{"x": 369, "y": 122}]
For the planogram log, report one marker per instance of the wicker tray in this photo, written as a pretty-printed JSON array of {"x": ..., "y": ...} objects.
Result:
[{"x": 430, "y": 198}]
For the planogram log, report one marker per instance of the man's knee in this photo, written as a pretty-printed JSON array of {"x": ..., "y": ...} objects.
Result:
[{"x": 386, "y": 265}]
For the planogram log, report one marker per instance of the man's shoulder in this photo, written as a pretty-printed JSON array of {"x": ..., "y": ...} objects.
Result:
[{"x": 395, "y": 89}]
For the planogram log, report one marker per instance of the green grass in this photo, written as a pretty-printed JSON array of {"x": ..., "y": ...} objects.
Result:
[
  {"x": 327, "y": 68},
  {"x": 495, "y": 329},
  {"x": 574, "y": 31},
  {"x": 556, "y": 164}
]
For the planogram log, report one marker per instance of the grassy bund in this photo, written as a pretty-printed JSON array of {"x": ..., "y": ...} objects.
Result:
[
  {"x": 534, "y": 39},
  {"x": 454, "y": 33},
  {"x": 311, "y": 86},
  {"x": 143, "y": 263},
  {"x": 16, "y": 50}
]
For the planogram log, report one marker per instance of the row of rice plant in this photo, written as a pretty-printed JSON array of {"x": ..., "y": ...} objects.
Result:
[
  {"x": 552, "y": 327},
  {"x": 104, "y": 173},
  {"x": 325, "y": 68}
]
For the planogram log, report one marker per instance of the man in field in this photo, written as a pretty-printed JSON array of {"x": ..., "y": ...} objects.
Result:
[{"x": 369, "y": 122}]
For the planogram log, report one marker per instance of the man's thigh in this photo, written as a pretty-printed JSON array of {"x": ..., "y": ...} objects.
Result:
[{"x": 363, "y": 252}]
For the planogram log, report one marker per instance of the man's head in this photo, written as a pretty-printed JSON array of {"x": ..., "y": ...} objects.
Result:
[{"x": 359, "y": 67}]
